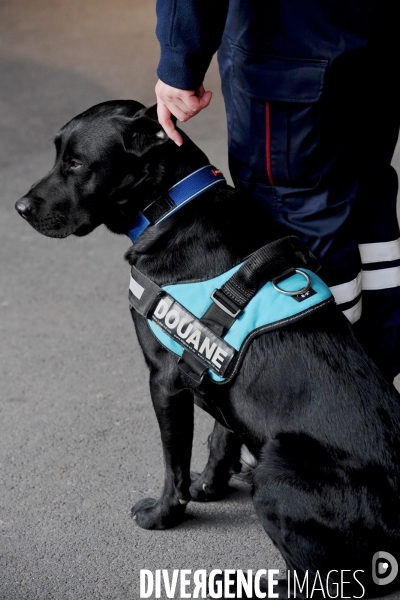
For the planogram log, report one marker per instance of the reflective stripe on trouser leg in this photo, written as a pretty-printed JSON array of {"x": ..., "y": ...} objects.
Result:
[
  {"x": 380, "y": 252},
  {"x": 380, "y": 271},
  {"x": 348, "y": 298},
  {"x": 381, "y": 265},
  {"x": 381, "y": 302}
]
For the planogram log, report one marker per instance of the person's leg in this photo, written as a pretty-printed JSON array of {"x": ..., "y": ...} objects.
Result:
[
  {"x": 317, "y": 155},
  {"x": 379, "y": 234}
]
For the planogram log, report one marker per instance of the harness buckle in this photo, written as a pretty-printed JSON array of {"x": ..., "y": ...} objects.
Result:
[
  {"x": 225, "y": 303},
  {"x": 198, "y": 379}
]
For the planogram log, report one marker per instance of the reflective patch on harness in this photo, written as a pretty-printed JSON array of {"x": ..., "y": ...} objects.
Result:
[
  {"x": 136, "y": 289},
  {"x": 180, "y": 325}
]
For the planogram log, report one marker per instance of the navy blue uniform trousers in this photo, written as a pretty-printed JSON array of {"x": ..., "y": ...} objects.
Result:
[{"x": 313, "y": 112}]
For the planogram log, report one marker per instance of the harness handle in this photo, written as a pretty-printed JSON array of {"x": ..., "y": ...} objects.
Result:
[{"x": 265, "y": 264}]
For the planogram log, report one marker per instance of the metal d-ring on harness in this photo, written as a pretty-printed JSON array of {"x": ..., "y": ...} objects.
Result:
[
  {"x": 300, "y": 292},
  {"x": 197, "y": 325}
]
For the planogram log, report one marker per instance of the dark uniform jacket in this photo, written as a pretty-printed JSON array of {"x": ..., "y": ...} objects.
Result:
[{"x": 313, "y": 107}]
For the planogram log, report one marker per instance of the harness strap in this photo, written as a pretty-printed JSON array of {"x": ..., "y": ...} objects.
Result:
[
  {"x": 267, "y": 263},
  {"x": 275, "y": 261},
  {"x": 152, "y": 302},
  {"x": 145, "y": 297},
  {"x": 264, "y": 265},
  {"x": 143, "y": 292},
  {"x": 219, "y": 322}
]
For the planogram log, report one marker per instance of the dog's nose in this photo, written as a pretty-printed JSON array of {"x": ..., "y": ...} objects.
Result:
[{"x": 24, "y": 207}]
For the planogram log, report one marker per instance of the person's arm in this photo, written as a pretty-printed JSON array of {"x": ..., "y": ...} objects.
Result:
[{"x": 189, "y": 32}]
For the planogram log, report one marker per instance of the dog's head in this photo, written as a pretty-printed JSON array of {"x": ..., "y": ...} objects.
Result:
[{"x": 109, "y": 162}]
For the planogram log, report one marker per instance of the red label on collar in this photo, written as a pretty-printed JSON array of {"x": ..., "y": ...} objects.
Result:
[{"x": 216, "y": 172}]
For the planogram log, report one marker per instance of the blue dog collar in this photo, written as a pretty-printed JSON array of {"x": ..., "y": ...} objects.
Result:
[{"x": 180, "y": 194}]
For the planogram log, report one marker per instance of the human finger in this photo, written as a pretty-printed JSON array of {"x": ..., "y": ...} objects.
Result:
[{"x": 164, "y": 118}]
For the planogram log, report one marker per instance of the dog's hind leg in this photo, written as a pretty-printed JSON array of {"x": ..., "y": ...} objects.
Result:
[
  {"x": 224, "y": 459},
  {"x": 175, "y": 417}
]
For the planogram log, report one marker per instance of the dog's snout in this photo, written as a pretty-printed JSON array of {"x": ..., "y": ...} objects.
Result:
[{"x": 24, "y": 207}]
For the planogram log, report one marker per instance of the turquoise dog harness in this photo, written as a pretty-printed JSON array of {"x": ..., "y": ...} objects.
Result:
[{"x": 209, "y": 324}]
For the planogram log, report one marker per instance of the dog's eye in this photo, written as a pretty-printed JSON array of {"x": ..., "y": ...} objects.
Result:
[{"x": 75, "y": 165}]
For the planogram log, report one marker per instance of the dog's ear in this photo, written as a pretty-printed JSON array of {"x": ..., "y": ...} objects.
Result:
[{"x": 144, "y": 132}]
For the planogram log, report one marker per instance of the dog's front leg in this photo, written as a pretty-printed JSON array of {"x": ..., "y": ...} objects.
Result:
[
  {"x": 224, "y": 459},
  {"x": 175, "y": 418}
]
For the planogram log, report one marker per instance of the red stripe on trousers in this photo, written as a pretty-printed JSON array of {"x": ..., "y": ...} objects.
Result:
[{"x": 268, "y": 142}]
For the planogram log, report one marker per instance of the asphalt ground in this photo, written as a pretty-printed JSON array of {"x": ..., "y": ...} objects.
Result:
[{"x": 79, "y": 441}]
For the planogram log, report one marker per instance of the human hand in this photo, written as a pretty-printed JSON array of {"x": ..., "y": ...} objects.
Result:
[{"x": 183, "y": 104}]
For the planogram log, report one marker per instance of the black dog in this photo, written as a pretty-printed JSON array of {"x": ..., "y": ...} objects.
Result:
[{"x": 307, "y": 401}]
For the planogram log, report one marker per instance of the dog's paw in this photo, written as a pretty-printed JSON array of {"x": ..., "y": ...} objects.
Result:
[
  {"x": 203, "y": 490},
  {"x": 157, "y": 514}
]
